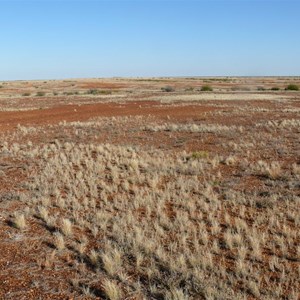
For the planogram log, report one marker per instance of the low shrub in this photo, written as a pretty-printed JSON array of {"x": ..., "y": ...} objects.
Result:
[
  {"x": 292, "y": 87},
  {"x": 206, "y": 88},
  {"x": 168, "y": 89},
  {"x": 275, "y": 88},
  {"x": 26, "y": 94},
  {"x": 40, "y": 94}
]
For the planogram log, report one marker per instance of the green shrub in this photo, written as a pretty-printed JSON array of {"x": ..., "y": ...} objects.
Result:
[
  {"x": 292, "y": 87},
  {"x": 275, "y": 88},
  {"x": 40, "y": 94},
  {"x": 206, "y": 88},
  {"x": 168, "y": 89},
  {"x": 26, "y": 94}
]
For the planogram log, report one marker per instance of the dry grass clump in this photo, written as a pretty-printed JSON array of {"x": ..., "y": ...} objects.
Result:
[
  {"x": 112, "y": 261},
  {"x": 112, "y": 290},
  {"x": 272, "y": 171},
  {"x": 59, "y": 241},
  {"x": 43, "y": 213},
  {"x": 19, "y": 221},
  {"x": 66, "y": 227}
]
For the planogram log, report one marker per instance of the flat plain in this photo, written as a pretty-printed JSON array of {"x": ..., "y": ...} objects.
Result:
[{"x": 150, "y": 188}]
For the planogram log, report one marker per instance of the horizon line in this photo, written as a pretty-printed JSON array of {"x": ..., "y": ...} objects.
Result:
[{"x": 152, "y": 77}]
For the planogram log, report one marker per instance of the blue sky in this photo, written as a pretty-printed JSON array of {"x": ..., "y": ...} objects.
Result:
[{"x": 76, "y": 39}]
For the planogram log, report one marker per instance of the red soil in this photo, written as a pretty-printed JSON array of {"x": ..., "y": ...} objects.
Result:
[{"x": 9, "y": 120}]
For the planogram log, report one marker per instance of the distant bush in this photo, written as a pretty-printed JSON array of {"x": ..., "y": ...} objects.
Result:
[
  {"x": 104, "y": 92},
  {"x": 92, "y": 92},
  {"x": 98, "y": 92},
  {"x": 261, "y": 88},
  {"x": 206, "y": 88},
  {"x": 26, "y": 94},
  {"x": 1, "y": 86},
  {"x": 40, "y": 94},
  {"x": 71, "y": 93},
  {"x": 168, "y": 89},
  {"x": 55, "y": 93},
  {"x": 189, "y": 89},
  {"x": 292, "y": 87},
  {"x": 275, "y": 88}
]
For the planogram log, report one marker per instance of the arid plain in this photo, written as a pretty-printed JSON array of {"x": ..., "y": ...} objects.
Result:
[{"x": 150, "y": 188}]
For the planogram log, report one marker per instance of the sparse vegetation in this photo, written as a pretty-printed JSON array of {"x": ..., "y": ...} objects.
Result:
[{"x": 98, "y": 92}]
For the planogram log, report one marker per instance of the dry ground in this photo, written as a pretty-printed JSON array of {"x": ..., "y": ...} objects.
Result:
[{"x": 114, "y": 189}]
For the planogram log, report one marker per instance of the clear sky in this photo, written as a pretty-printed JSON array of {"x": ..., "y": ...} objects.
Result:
[{"x": 76, "y": 39}]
